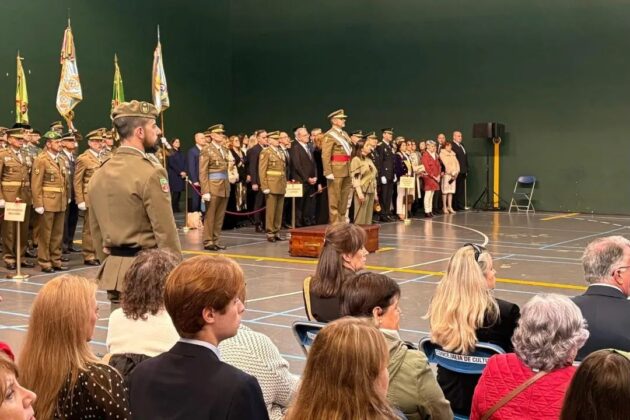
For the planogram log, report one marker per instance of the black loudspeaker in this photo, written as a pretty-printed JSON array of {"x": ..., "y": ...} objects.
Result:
[{"x": 488, "y": 130}]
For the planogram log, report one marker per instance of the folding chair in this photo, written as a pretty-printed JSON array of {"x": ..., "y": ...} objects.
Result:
[
  {"x": 468, "y": 364},
  {"x": 523, "y": 190},
  {"x": 305, "y": 333}
]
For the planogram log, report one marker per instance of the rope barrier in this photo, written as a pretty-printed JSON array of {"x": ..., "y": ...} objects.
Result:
[{"x": 231, "y": 213}]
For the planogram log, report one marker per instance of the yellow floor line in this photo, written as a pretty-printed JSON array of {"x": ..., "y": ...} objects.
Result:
[
  {"x": 520, "y": 282},
  {"x": 560, "y": 216},
  {"x": 385, "y": 248}
]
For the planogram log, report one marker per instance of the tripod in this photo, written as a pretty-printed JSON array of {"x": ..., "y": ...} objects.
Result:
[{"x": 487, "y": 193}]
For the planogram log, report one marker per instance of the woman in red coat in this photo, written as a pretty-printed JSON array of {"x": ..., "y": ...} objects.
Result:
[
  {"x": 550, "y": 332},
  {"x": 431, "y": 176}
]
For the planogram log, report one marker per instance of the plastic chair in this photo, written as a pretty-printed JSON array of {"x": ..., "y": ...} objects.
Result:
[
  {"x": 305, "y": 333},
  {"x": 468, "y": 364},
  {"x": 523, "y": 190}
]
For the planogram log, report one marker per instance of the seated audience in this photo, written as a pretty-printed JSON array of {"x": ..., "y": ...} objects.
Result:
[
  {"x": 342, "y": 255},
  {"x": 345, "y": 375},
  {"x": 412, "y": 384},
  {"x": 605, "y": 304},
  {"x": 142, "y": 328},
  {"x": 462, "y": 312},
  {"x": 600, "y": 388},
  {"x": 190, "y": 381},
  {"x": 56, "y": 361},
  {"x": 16, "y": 402},
  {"x": 531, "y": 382},
  {"x": 255, "y": 353}
]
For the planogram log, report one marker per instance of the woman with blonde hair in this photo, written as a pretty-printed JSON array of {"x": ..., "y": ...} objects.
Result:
[
  {"x": 464, "y": 311},
  {"x": 16, "y": 402},
  {"x": 56, "y": 361},
  {"x": 345, "y": 377}
]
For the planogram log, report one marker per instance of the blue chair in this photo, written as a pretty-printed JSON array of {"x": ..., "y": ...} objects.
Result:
[
  {"x": 305, "y": 333},
  {"x": 523, "y": 192},
  {"x": 468, "y": 364}
]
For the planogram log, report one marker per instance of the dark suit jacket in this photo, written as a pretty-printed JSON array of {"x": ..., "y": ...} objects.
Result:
[
  {"x": 607, "y": 312},
  {"x": 253, "y": 153},
  {"x": 176, "y": 165},
  {"x": 302, "y": 166},
  {"x": 192, "y": 164},
  {"x": 384, "y": 161},
  {"x": 189, "y": 382},
  {"x": 462, "y": 158}
]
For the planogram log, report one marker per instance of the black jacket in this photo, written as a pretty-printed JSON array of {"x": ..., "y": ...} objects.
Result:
[
  {"x": 302, "y": 165},
  {"x": 607, "y": 312},
  {"x": 189, "y": 382},
  {"x": 253, "y": 153},
  {"x": 384, "y": 161},
  {"x": 462, "y": 158}
]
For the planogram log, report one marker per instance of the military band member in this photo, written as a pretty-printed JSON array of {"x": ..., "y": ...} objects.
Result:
[
  {"x": 273, "y": 183},
  {"x": 215, "y": 186},
  {"x": 336, "y": 152},
  {"x": 15, "y": 176},
  {"x": 50, "y": 199},
  {"x": 130, "y": 201},
  {"x": 363, "y": 172},
  {"x": 87, "y": 163}
]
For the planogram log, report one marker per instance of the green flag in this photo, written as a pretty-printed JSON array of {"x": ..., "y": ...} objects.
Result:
[{"x": 118, "y": 95}]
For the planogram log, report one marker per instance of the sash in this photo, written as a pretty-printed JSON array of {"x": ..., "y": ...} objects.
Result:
[{"x": 341, "y": 140}]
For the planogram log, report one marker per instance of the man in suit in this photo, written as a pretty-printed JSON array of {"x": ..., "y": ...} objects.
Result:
[
  {"x": 384, "y": 161},
  {"x": 253, "y": 155},
  {"x": 215, "y": 187},
  {"x": 336, "y": 153},
  {"x": 304, "y": 171},
  {"x": 203, "y": 298},
  {"x": 69, "y": 146},
  {"x": 605, "y": 305},
  {"x": 273, "y": 183},
  {"x": 459, "y": 201},
  {"x": 192, "y": 169},
  {"x": 135, "y": 213}
]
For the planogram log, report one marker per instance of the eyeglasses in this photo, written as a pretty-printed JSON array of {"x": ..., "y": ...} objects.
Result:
[
  {"x": 477, "y": 248},
  {"x": 623, "y": 267}
]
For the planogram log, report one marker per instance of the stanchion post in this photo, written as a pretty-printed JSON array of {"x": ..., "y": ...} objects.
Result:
[
  {"x": 18, "y": 252},
  {"x": 407, "y": 220},
  {"x": 185, "y": 228},
  {"x": 293, "y": 214}
]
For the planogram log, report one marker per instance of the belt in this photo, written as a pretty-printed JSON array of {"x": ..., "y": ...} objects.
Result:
[
  {"x": 15, "y": 184},
  {"x": 217, "y": 175},
  {"x": 274, "y": 173},
  {"x": 52, "y": 189},
  {"x": 124, "y": 251},
  {"x": 340, "y": 158}
]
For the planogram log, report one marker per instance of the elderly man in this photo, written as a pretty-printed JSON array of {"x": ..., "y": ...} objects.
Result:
[
  {"x": 336, "y": 154},
  {"x": 304, "y": 171},
  {"x": 192, "y": 169},
  {"x": 460, "y": 182},
  {"x": 605, "y": 304}
]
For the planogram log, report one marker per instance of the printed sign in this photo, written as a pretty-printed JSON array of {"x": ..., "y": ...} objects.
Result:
[
  {"x": 462, "y": 357},
  {"x": 14, "y": 212},
  {"x": 294, "y": 190},
  {"x": 407, "y": 182}
]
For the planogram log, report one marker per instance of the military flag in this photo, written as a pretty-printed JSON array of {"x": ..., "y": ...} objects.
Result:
[
  {"x": 21, "y": 94},
  {"x": 158, "y": 85},
  {"x": 118, "y": 95},
  {"x": 69, "y": 93}
]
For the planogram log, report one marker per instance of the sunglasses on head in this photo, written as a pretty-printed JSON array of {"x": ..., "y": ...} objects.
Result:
[{"x": 477, "y": 248}]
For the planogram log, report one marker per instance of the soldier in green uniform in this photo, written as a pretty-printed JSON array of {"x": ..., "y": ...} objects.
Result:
[
  {"x": 336, "y": 153},
  {"x": 87, "y": 163},
  {"x": 130, "y": 200},
  {"x": 363, "y": 173},
  {"x": 50, "y": 199},
  {"x": 215, "y": 186},
  {"x": 15, "y": 177},
  {"x": 273, "y": 183}
]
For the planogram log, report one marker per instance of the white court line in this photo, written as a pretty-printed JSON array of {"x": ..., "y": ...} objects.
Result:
[
  {"x": 271, "y": 315},
  {"x": 273, "y": 296},
  {"x": 483, "y": 235},
  {"x": 584, "y": 237}
]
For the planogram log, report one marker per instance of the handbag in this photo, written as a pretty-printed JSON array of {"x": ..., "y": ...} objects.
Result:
[{"x": 506, "y": 399}]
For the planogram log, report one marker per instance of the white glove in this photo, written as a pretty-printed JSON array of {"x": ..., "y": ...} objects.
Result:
[
  {"x": 206, "y": 197},
  {"x": 165, "y": 143},
  {"x": 69, "y": 200},
  {"x": 330, "y": 176},
  {"x": 395, "y": 178},
  {"x": 2, "y": 203},
  {"x": 267, "y": 191},
  {"x": 82, "y": 206},
  {"x": 39, "y": 210},
  {"x": 383, "y": 180}
]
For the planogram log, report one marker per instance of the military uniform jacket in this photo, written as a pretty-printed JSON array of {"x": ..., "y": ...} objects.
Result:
[
  {"x": 86, "y": 164},
  {"x": 385, "y": 161},
  {"x": 336, "y": 151},
  {"x": 363, "y": 172},
  {"x": 70, "y": 167},
  {"x": 15, "y": 175},
  {"x": 272, "y": 171},
  {"x": 49, "y": 184},
  {"x": 213, "y": 171}
]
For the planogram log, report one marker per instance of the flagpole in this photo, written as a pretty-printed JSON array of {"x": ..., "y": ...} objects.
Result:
[{"x": 163, "y": 147}]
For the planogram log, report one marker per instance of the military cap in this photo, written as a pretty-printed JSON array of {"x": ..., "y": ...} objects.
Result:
[
  {"x": 95, "y": 135},
  {"x": 274, "y": 134},
  {"x": 52, "y": 136},
  {"x": 399, "y": 138},
  {"x": 371, "y": 135},
  {"x": 387, "y": 130},
  {"x": 135, "y": 109},
  {"x": 217, "y": 128},
  {"x": 3, "y": 131},
  {"x": 68, "y": 136},
  {"x": 358, "y": 133},
  {"x": 21, "y": 125},
  {"x": 56, "y": 124},
  {"x": 337, "y": 114},
  {"x": 298, "y": 127},
  {"x": 18, "y": 133}
]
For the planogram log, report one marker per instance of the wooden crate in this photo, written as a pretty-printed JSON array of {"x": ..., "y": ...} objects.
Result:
[{"x": 308, "y": 241}]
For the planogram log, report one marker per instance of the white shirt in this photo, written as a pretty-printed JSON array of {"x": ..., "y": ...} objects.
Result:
[
  {"x": 95, "y": 153},
  {"x": 53, "y": 156},
  {"x": 69, "y": 155},
  {"x": 202, "y": 344}
]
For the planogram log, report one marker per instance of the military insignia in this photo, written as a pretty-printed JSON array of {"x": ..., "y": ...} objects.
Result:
[
  {"x": 164, "y": 185},
  {"x": 36, "y": 171},
  {"x": 144, "y": 108}
]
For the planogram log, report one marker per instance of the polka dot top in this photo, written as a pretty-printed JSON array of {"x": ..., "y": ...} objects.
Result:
[{"x": 98, "y": 394}]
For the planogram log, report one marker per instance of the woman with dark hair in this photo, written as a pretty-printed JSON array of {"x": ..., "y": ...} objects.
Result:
[
  {"x": 342, "y": 255},
  {"x": 16, "y": 402},
  {"x": 600, "y": 388},
  {"x": 403, "y": 167},
  {"x": 363, "y": 173},
  {"x": 321, "y": 198},
  {"x": 142, "y": 328},
  {"x": 176, "y": 163},
  {"x": 412, "y": 385}
]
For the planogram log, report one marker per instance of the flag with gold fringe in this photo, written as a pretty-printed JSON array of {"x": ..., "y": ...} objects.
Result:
[
  {"x": 21, "y": 94},
  {"x": 69, "y": 93},
  {"x": 158, "y": 85},
  {"x": 118, "y": 94}
]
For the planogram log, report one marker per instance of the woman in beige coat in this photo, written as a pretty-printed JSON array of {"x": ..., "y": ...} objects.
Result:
[{"x": 451, "y": 170}]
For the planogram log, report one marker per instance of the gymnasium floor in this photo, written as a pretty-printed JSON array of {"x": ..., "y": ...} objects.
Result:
[{"x": 533, "y": 253}]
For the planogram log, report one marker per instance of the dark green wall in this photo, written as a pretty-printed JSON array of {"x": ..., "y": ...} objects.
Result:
[{"x": 555, "y": 72}]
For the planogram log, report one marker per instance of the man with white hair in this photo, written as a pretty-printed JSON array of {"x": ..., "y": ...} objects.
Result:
[{"x": 605, "y": 304}]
